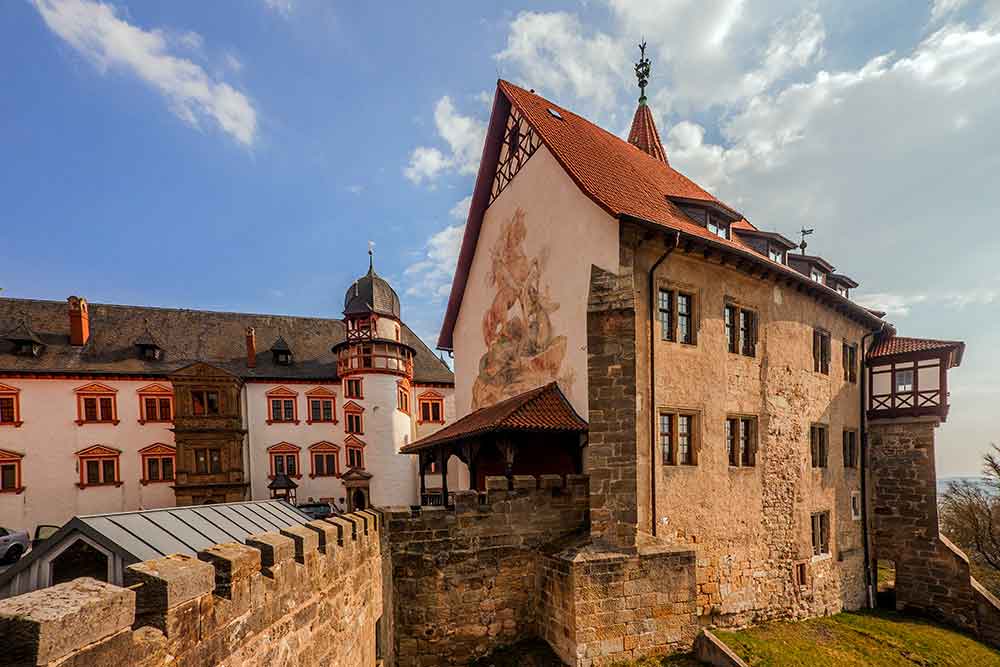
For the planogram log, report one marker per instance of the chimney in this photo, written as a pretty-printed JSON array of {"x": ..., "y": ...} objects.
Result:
[
  {"x": 251, "y": 348},
  {"x": 79, "y": 321}
]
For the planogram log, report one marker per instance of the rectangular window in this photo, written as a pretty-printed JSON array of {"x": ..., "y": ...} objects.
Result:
[
  {"x": 100, "y": 471},
  {"x": 93, "y": 471},
  {"x": 741, "y": 445},
  {"x": 291, "y": 464},
  {"x": 748, "y": 333},
  {"x": 850, "y": 449},
  {"x": 678, "y": 438},
  {"x": 904, "y": 382},
  {"x": 107, "y": 408},
  {"x": 821, "y": 351},
  {"x": 685, "y": 316},
  {"x": 319, "y": 467},
  {"x": 289, "y": 410},
  {"x": 776, "y": 254},
  {"x": 800, "y": 574},
  {"x": 818, "y": 445},
  {"x": 817, "y": 276},
  {"x": 7, "y": 410},
  {"x": 821, "y": 533},
  {"x": 168, "y": 469},
  {"x": 152, "y": 410},
  {"x": 153, "y": 469},
  {"x": 402, "y": 400},
  {"x": 718, "y": 226},
  {"x": 354, "y": 423},
  {"x": 732, "y": 335},
  {"x": 166, "y": 410},
  {"x": 8, "y": 477},
  {"x": 208, "y": 460},
  {"x": 355, "y": 458},
  {"x": 352, "y": 388},
  {"x": 667, "y": 438},
  {"x": 732, "y": 446},
  {"x": 666, "y": 315},
  {"x": 204, "y": 402},
  {"x": 850, "y": 363},
  {"x": 431, "y": 410},
  {"x": 856, "y": 505},
  {"x": 90, "y": 409}
]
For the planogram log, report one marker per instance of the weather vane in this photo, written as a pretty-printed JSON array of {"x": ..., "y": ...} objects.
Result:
[
  {"x": 804, "y": 232},
  {"x": 371, "y": 255},
  {"x": 642, "y": 72}
]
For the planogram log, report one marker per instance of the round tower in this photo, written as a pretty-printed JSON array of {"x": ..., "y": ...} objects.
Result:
[{"x": 375, "y": 367}]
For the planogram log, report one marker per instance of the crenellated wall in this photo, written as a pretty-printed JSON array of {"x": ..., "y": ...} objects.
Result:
[{"x": 309, "y": 595}]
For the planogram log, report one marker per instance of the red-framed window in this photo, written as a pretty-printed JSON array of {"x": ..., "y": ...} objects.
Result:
[
  {"x": 158, "y": 463},
  {"x": 324, "y": 457},
  {"x": 322, "y": 405},
  {"x": 430, "y": 405},
  {"x": 354, "y": 420},
  {"x": 403, "y": 396},
  {"x": 10, "y": 406},
  {"x": 355, "y": 453},
  {"x": 10, "y": 472},
  {"x": 353, "y": 388},
  {"x": 99, "y": 466},
  {"x": 96, "y": 404},
  {"x": 284, "y": 458},
  {"x": 282, "y": 406},
  {"x": 156, "y": 404}
]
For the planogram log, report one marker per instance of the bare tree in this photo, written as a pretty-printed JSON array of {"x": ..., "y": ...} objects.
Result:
[{"x": 970, "y": 513}]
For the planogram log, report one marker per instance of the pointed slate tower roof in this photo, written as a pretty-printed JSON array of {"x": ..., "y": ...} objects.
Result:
[
  {"x": 643, "y": 134},
  {"x": 371, "y": 294}
]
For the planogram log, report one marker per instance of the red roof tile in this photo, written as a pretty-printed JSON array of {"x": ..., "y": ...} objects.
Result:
[
  {"x": 619, "y": 177},
  {"x": 894, "y": 345},
  {"x": 541, "y": 409},
  {"x": 644, "y": 136}
]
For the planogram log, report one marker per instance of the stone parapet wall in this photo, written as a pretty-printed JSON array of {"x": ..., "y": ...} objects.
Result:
[
  {"x": 309, "y": 595},
  {"x": 933, "y": 577},
  {"x": 467, "y": 579}
]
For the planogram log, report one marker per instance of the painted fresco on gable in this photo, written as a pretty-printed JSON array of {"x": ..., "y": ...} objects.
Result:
[{"x": 522, "y": 350}]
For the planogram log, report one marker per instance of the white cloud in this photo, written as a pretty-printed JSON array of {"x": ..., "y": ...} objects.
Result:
[
  {"x": 233, "y": 63},
  {"x": 430, "y": 278},
  {"x": 283, "y": 7},
  {"x": 893, "y": 305},
  {"x": 460, "y": 211},
  {"x": 941, "y": 9},
  {"x": 464, "y": 136},
  {"x": 355, "y": 189},
  {"x": 191, "y": 40},
  {"x": 109, "y": 42},
  {"x": 901, "y": 305}
]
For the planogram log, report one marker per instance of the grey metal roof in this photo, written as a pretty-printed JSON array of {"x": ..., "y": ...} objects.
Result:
[{"x": 146, "y": 534}]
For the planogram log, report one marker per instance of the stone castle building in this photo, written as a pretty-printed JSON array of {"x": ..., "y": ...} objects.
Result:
[{"x": 108, "y": 408}]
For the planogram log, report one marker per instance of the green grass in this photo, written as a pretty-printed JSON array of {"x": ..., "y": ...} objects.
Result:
[{"x": 864, "y": 638}]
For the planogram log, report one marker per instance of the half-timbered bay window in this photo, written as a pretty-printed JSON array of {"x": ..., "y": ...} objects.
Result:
[
  {"x": 207, "y": 460},
  {"x": 678, "y": 438},
  {"x": 205, "y": 402},
  {"x": 10, "y": 472},
  {"x": 322, "y": 405},
  {"x": 96, "y": 404},
  {"x": 850, "y": 448},
  {"x": 284, "y": 458},
  {"x": 741, "y": 441},
  {"x": 431, "y": 407},
  {"x": 850, "y": 362},
  {"x": 98, "y": 466},
  {"x": 156, "y": 404},
  {"x": 10, "y": 406},
  {"x": 282, "y": 406},
  {"x": 820, "y": 533},
  {"x": 324, "y": 457},
  {"x": 819, "y": 445},
  {"x": 157, "y": 463},
  {"x": 821, "y": 351},
  {"x": 676, "y": 314},
  {"x": 355, "y": 453},
  {"x": 353, "y": 419}
]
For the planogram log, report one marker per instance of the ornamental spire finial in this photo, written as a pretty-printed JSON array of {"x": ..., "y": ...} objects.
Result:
[
  {"x": 371, "y": 257},
  {"x": 642, "y": 72}
]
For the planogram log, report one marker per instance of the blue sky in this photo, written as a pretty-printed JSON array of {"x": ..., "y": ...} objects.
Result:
[{"x": 240, "y": 155}]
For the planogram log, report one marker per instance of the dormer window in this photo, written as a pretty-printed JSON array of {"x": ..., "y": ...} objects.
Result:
[
  {"x": 281, "y": 352},
  {"x": 718, "y": 226},
  {"x": 149, "y": 348},
  {"x": 776, "y": 253},
  {"x": 817, "y": 276},
  {"x": 842, "y": 291},
  {"x": 27, "y": 348},
  {"x": 26, "y": 343}
]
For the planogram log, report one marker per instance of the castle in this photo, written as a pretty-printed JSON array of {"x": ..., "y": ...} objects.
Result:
[
  {"x": 666, "y": 419},
  {"x": 107, "y": 408}
]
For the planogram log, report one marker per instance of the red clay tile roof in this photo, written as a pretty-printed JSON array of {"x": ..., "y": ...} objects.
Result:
[
  {"x": 894, "y": 345},
  {"x": 541, "y": 409},
  {"x": 617, "y": 176},
  {"x": 644, "y": 136}
]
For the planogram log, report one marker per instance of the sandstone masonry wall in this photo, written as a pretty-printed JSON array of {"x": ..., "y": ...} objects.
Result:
[
  {"x": 310, "y": 595},
  {"x": 466, "y": 580},
  {"x": 932, "y": 575}
]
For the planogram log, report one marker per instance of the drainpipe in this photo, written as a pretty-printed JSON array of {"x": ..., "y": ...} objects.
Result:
[
  {"x": 652, "y": 379},
  {"x": 245, "y": 390},
  {"x": 864, "y": 463}
]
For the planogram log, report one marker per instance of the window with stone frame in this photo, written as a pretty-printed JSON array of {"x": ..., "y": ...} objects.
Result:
[
  {"x": 96, "y": 404},
  {"x": 821, "y": 351},
  {"x": 10, "y": 472},
  {"x": 10, "y": 406},
  {"x": 99, "y": 466},
  {"x": 677, "y": 316},
  {"x": 820, "y": 533},
  {"x": 402, "y": 399},
  {"x": 430, "y": 408},
  {"x": 850, "y": 358},
  {"x": 741, "y": 441},
  {"x": 850, "y": 448},
  {"x": 678, "y": 438},
  {"x": 354, "y": 422},
  {"x": 158, "y": 462},
  {"x": 819, "y": 445},
  {"x": 355, "y": 457},
  {"x": 207, "y": 460},
  {"x": 324, "y": 457},
  {"x": 284, "y": 458},
  {"x": 320, "y": 410},
  {"x": 156, "y": 404},
  {"x": 353, "y": 388},
  {"x": 282, "y": 406},
  {"x": 741, "y": 330},
  {"x": 205, "y": 402}
]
